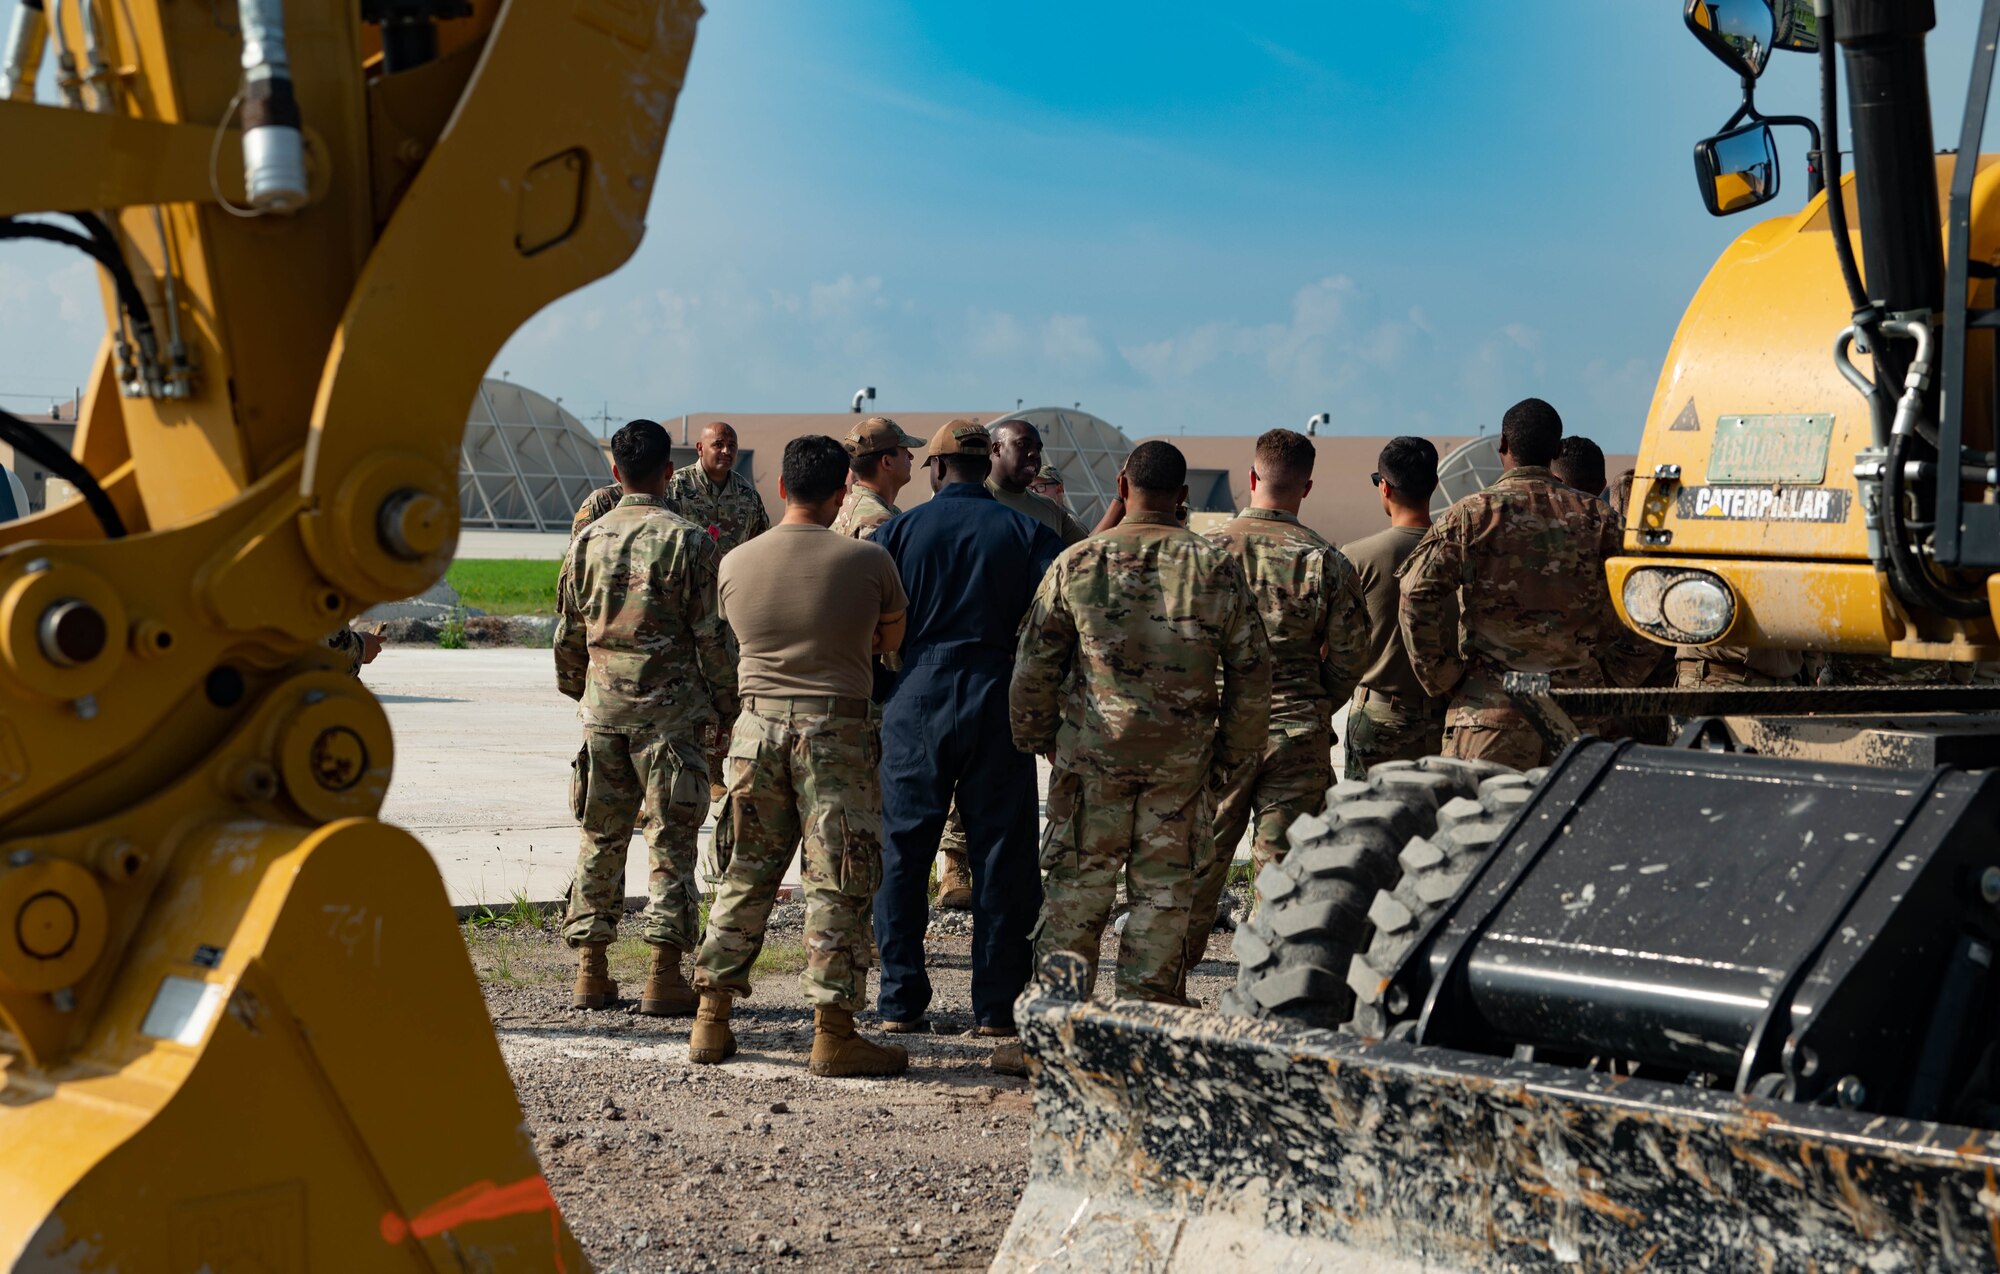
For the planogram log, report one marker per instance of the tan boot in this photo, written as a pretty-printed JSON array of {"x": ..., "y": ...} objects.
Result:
[
  {"x": 711, "y": 1040},
  {"x": 1010, "y": 1059},
  {"x": 955, "y": 883},
  {"x": 594, "y": 987},
  {"x": 667, "y": 991},
  {"x": 838, "y": 1051}
]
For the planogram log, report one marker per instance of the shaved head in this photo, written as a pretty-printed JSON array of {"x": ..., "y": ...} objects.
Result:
[{"x": 716, "y": 450}]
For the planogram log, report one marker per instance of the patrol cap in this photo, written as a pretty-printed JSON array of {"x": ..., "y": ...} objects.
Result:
[
  {"x": 876, "y": 435},
  {"x": 961, "y": 437},
  {"x": 1050, "y": 473}
]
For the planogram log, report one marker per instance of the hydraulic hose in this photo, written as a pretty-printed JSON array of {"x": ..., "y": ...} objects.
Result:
[
  {"x": 34, "y": 444},
  {"x": 1912, "y": 579},
  {"x": 101, "y": 248},
  {"x": 1836, "y": 198}
]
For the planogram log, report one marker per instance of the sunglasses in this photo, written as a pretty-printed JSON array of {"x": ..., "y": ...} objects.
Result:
[{"x": 1375, "y": 479}]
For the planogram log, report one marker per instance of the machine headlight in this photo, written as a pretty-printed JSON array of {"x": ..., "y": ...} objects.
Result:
[
  {"x": 1642, "y": 596},
  {"x": 1698, "y": 605}
]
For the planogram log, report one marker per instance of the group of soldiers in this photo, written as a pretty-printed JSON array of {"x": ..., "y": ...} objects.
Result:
[{"x": 858, "y": 701}]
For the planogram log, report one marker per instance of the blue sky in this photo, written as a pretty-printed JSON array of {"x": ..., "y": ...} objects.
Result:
[{"x": 1199, "y": 219}]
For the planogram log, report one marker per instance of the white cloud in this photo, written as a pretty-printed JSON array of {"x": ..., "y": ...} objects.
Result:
[{"x": 1067, "y": 340}]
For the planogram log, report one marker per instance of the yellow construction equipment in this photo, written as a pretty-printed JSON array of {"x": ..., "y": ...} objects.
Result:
[
  {"x": 240, "y": 1029},
  {"x": 1729, "y": 1005}
]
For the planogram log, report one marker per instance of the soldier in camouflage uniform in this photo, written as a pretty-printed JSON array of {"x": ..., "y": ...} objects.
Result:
[
  {"x": 1317, "y": 625},
  {"x": 880, "y": 460},
  {"x": 713, "y": 496},
  {"x": 810, "y": 608},
  {"x": 640, "y": 645},
  {"x": 594, "y": 506},
  {"x": 1525, "y": 561},
  {"x": 1158, "y": 632},
  {"x": 880, "y": 464}
]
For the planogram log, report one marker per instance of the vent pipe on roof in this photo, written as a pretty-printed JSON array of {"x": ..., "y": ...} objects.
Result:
[
  {"x": 684, "y": 429},
  {"x": 860, "y": 394},
  {"x": 1312, "y": 426}
]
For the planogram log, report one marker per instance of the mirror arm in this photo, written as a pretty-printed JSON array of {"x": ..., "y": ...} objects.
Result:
[{"x": 1815, "y": 181}]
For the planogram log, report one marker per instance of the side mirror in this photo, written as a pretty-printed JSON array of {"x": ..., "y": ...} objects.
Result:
[
  {"x": 1798, "y": 26},
  {"x": 1740, "y": 32},
  {"x": 1738, "y": 169}
]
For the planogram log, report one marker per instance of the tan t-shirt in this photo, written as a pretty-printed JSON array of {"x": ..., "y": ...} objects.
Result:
[
  {"x": 803, "y": 603},
  {"x": 1376, "y": 560}
]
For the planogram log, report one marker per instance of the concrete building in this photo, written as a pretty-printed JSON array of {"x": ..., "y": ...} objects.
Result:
[
  {"x": 35, "y": 481},
  {"x": 525, "y": 463},
  {"x": 1088, "y": 448},
  {"x": 1343, "y": 505}
]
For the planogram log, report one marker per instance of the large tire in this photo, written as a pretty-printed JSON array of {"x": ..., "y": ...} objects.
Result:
[
  {"x": 1434, "y": 867},
  {"x": 1294, "y": 955}
]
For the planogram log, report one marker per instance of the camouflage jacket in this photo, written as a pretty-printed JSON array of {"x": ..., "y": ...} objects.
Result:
[
  {"x": 1144, "y": 617},
  {"x": 1314, "y": 617},
  {"x": 595, "y": 505},
  {"x": 1525, "y": 560},
  {"x": 730, "y": 513},
  {"x": 862, "y": 512},
  {"x": 346, "y": 643},
  {"x": 1041, "y": 509},
  {"x": 639, "y": 640}
]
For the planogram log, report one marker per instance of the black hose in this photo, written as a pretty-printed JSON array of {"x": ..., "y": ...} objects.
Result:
[
  {"x": 1913, "y": 581},
  {"x": 1836, "y": 198},
  {"x": 104, "y": 251},
  {"x": 36, "y": 445}
]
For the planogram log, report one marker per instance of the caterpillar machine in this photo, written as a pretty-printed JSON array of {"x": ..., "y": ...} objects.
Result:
[
  {"x": 1728, "y": 1005},
  {"x": 238, "y": 1029}
]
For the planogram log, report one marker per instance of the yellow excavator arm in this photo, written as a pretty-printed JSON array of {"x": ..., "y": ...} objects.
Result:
[{"x": 236, "y": 1026}]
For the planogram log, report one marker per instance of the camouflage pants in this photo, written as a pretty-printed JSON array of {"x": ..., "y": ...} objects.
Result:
[
  {"x": 623, "y": 771},
  {"x": 1385, "y": 728},
  {"x": 810, "y": 776},
  {"x": 1493, "y": 734},
  {"x": 951, "y": 844},
  {"x": 1157, "y": 830},
  {"x": 1701, "y": 674},
  {"x": 1291, "y": 780}
]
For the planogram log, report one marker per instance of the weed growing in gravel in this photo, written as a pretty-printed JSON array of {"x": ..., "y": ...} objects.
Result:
[
  {"x": 451, "y": 633},
  {"x": 519, "y": 914}
]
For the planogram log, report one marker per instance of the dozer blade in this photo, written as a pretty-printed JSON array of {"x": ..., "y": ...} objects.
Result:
[
  {"x": 292, "y": 1070},
  {"x": 1175, "y": 1139}
]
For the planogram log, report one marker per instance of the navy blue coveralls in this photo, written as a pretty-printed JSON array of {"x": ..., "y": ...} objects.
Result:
[{"x": 970, "y": 566}]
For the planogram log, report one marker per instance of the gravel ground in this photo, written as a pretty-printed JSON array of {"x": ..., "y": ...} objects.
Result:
[{"x": 756, "y": 1164}]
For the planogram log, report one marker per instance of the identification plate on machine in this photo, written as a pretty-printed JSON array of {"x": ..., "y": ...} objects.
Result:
[{"x": 1774, "y": 448}]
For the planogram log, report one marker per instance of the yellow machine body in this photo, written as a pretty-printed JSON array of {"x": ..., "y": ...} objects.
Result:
[
  {"x": 1755, "y": 344},
  {"x": 238, "y": 1030}
]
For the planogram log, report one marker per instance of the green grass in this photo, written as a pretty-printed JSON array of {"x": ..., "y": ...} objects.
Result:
[
  {"x": 780, "y": 957},
  {"x": 506, "y": 586},
  {"x": 518, "y": 914}
]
